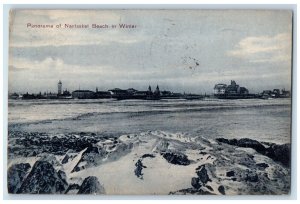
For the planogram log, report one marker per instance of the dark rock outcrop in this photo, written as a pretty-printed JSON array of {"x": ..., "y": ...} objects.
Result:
[
  {"x": 202, "y": 174},
  {"x": 71, "y": 187},
  {"x": 195, "y": 182},
  {"x": 147, "y": 155},
  {"x": 230, "y": 173},
  {"x": 35, "y": 143},
  {"x": 249, "y": 143},
  {"x": 280, "y": 153},
  {"x": 91, "y": 185},
  {"x": 262, "y": 165},
  {"x": 43, "y": 179},
  {"x": 221, "y": 189},
  {"x": 251, "y": 176},
  {"x": 65, "y": 159},
  {"x": 245, "y": 142},
  {"x": 138, "y": 169},
  {"x": 209, "y": 188},
  {"x": 176, "y": 158},
  {"x": 15, "y": 176},
  {"x": 201, "y": 180}
]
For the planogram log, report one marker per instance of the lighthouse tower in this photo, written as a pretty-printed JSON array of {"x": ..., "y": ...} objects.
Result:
[{"x": 59, "y": 87}]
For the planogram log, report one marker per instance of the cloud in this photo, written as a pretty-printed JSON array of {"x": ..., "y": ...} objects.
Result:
[
  {"x": 182, "y": 50},
  {"x": 263, "y": 49}
]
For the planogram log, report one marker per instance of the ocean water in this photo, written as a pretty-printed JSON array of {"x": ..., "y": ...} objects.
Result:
[{"x": 263, "y": 120}]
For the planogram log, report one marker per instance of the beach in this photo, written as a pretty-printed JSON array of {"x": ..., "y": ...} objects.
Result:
[{"x": 210, "y": 146}]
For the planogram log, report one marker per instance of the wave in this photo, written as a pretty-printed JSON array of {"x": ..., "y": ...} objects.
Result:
[{"x": 160, "y": 110}]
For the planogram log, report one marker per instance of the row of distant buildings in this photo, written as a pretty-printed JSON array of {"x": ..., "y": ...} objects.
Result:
[
  {"x": 234, "y": 91},
  {"x": 222, "y": 91},
  {"x": 116, "y": 93}
]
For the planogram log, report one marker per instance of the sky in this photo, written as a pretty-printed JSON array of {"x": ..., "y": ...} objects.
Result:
[{"x": 179, "y": 50}]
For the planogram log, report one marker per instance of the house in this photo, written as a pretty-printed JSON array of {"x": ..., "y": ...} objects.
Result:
[{"x": 220, "y": 89}]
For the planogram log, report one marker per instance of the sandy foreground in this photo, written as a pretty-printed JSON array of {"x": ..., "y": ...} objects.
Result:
[{"x": 153, "y": 162}]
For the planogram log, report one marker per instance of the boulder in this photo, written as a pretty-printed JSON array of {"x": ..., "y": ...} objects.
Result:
[
  {"x": 209, "y": 188},
  {"x": 202, "y": 174},
  {"x": 281, "y": 153},
  {"x": 91, "y": 185},
  {"x": 147, "y": 155},
  {"x": 221, "y": 189},
  {"x": 227, "y": 141},
  {"x": 249, "y": 143},
  {"x": 72, "y": 187},
  {"x": 43, "y": 179},
  {"x": 15, "y": 176},
  {"x": 138, "y": 169},
  {"x": 65, "y": 159},
  {"x": 195, "y": 182},
  {"x": 262, "y": 165},
  {"x": 230, "y": 173},
  {"x": 176, "y": 158},
  {"x": 251, "y": 176}
]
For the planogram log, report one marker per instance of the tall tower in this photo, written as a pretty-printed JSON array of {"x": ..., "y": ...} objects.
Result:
[{"x": 59, "y": 87}]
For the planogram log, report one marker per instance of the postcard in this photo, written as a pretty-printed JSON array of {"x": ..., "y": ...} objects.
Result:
[{"x": 149, "y": 102}]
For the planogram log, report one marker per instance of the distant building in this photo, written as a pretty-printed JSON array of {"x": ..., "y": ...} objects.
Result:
[
  {"x": 230, "y": 91},
  {"x": 102, "y": 94},
  {"x": 116, "y": 92},
  {"x": 220, "y": 89},
  {"x": 140, "y": 94},
  {"x": 65, "y": 95},
  {"x": 285, "y": 94},
  {"x": 50, "y": 95},
  {"x": 83, "y": 94},
  {"x": 13, "y": 96},
  {"x": 157, "y": 92},
  {"x": 59, "y": 88},
  {"x": 131, "y": 91},
  {"x": 266, "y": 94}
]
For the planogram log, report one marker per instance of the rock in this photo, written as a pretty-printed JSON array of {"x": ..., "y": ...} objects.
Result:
[
  {"x": 223, "y": 140},
  {"x": 43, "y": 179},
  {"x": 221, "y": 189},
  {"x": 251, "y": 176},
  {"x": 148, "y": 155},
  {"x": 227, "y": 141},
  {"x": 71, "y": 187},
  {"x": 230, "y": 173},
  {"x": 281, "y": 153},
  {"x": 262, "y": 165},
  {"x": 62, "y": 175},
  {"x": 202, "y": 174},
  {"x": 245, "y": 142},
  {"x": 138, "y": 169},
  {"x": 65, "y": 159},
  {"x": 15, "y": 176},
  {"x": 176, "y": 158},
  {"x": 91, "y": 185},
  {"x": 92, "y": 149},
  {"x": 195, "y": 182},
  {"x": 209, "y": 188},
  {"x": 249, "y": 143}
]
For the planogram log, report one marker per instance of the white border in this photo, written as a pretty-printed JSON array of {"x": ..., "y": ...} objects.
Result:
[{"x": 136, "y": 5}]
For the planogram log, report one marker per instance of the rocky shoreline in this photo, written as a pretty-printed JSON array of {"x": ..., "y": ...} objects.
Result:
[{"x": 153, "y": 162}]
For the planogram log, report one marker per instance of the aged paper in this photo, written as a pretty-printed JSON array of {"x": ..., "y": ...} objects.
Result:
[{"x": 149, "y": 102}]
